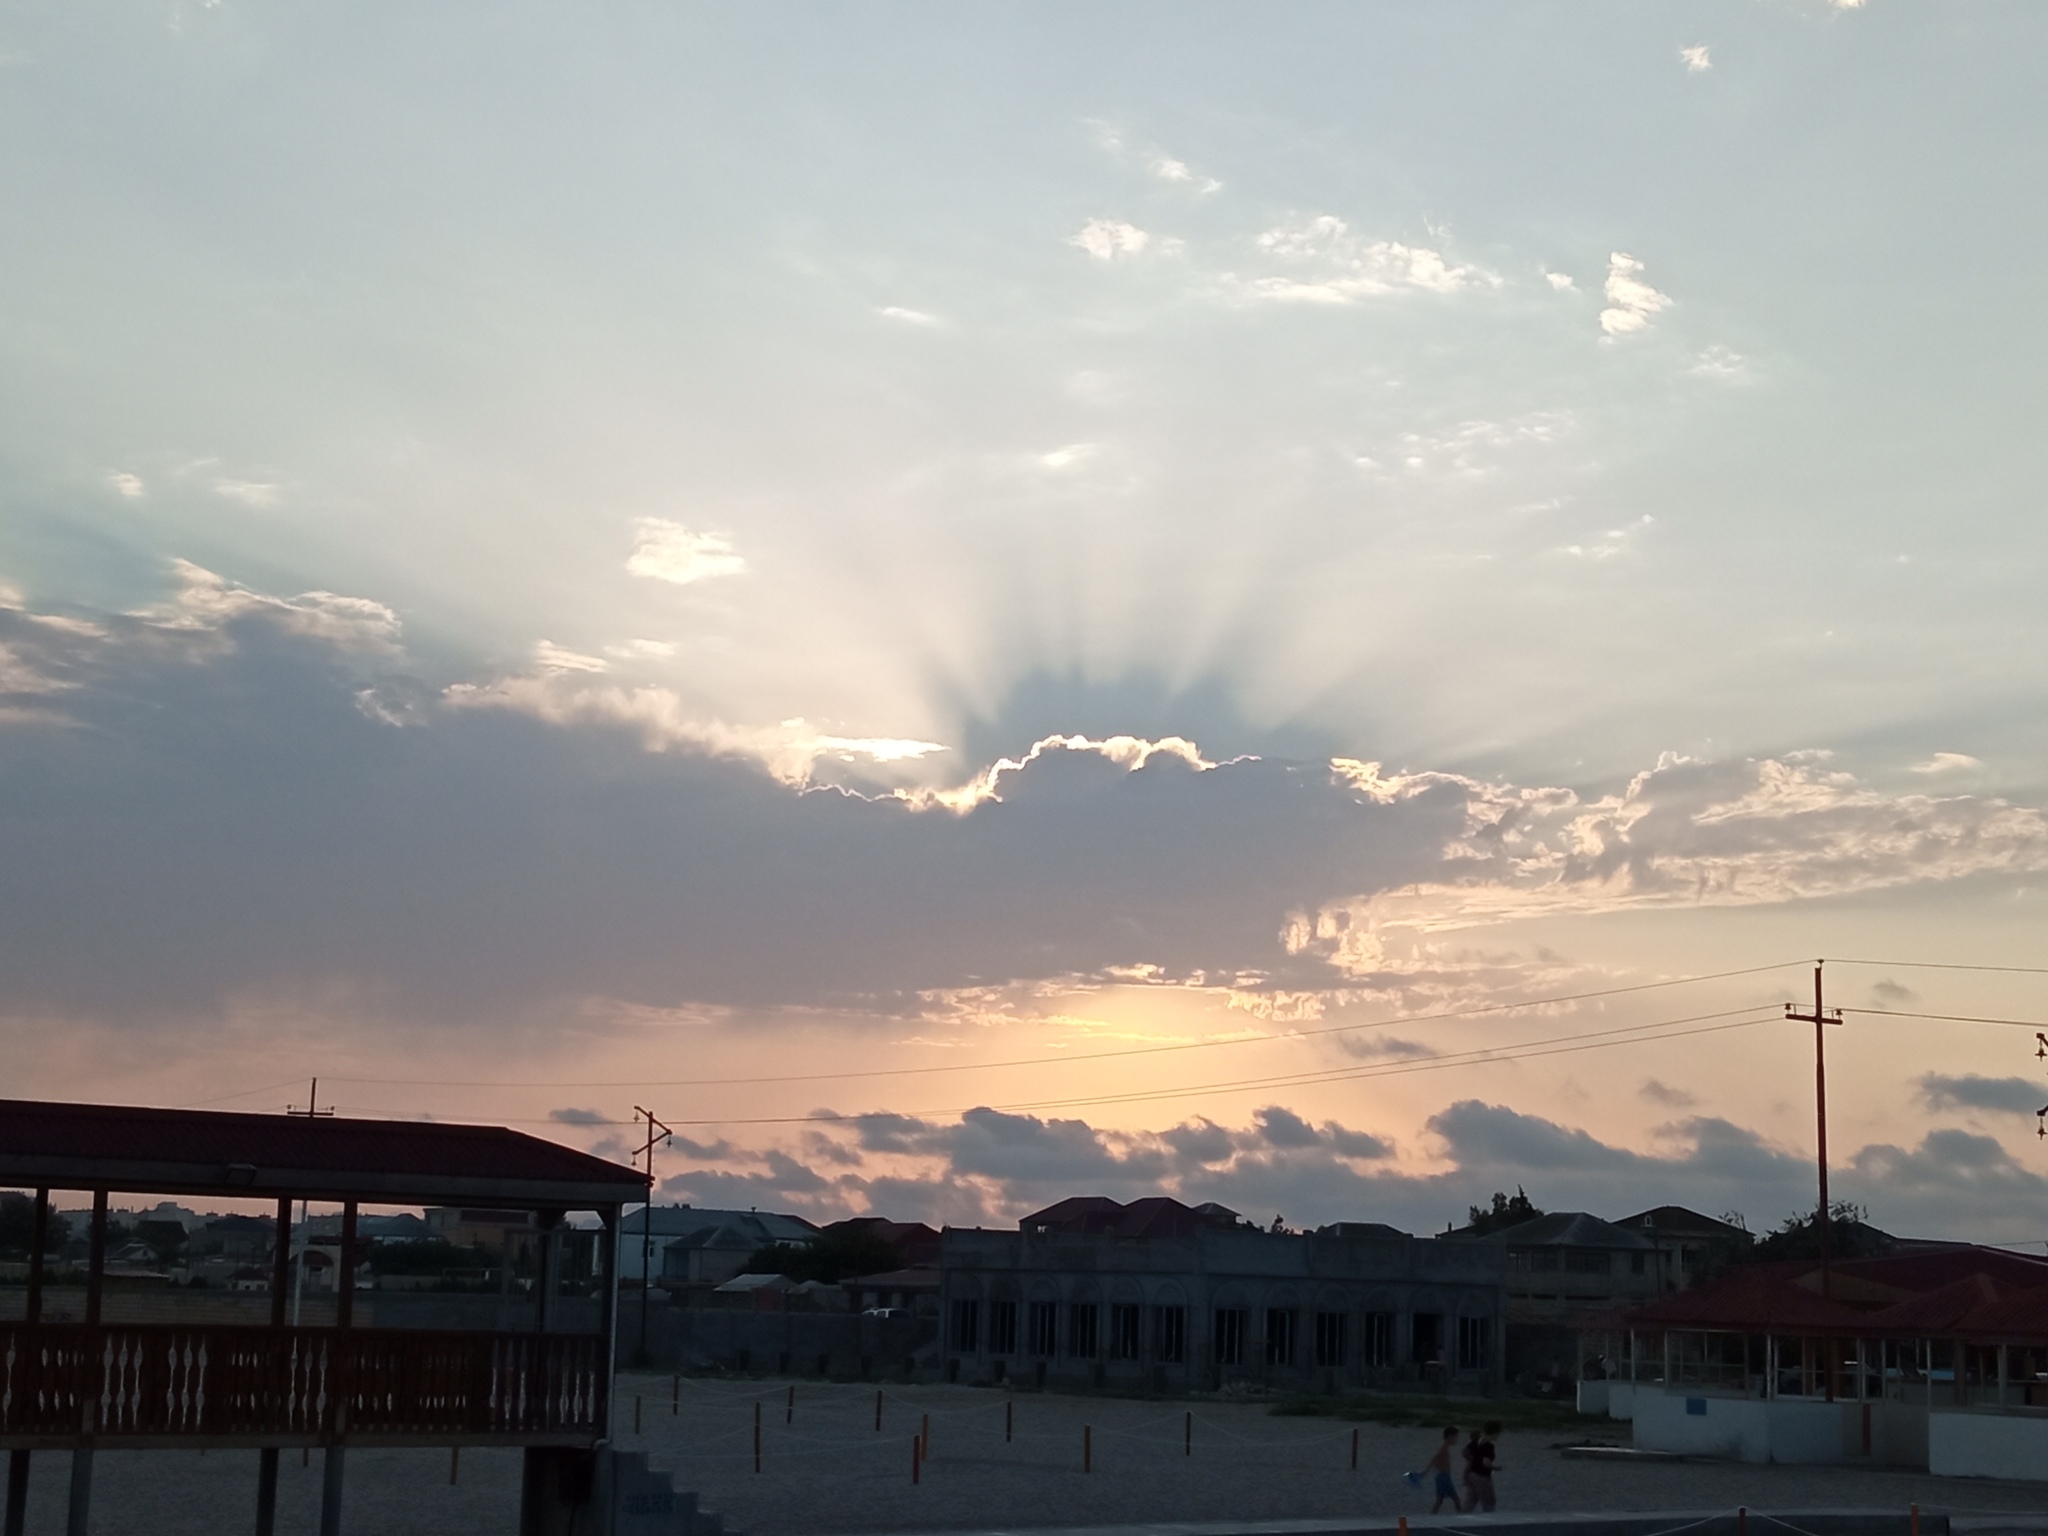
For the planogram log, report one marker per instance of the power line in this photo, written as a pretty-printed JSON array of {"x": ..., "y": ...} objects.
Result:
[
  {"x": 1947, "y": 965},
  {"x": 1946, "y": 1018},
  {"x": 1477, "y": 1011}
]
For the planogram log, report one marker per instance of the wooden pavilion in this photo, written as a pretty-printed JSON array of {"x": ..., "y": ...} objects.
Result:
[{"x": 89, "y": 1383}]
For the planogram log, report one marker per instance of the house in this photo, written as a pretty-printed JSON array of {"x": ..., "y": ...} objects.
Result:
[
  {"x": 1691, "y": 1248},
  {"x": 510, "y": 1235},
  {"x": 915, "y": 1291},
  {"x": 1159, "y": 1295},
  {"x": 1932, "y": 1356},
  {"x": 644, "y": 1234},
  {"x": 242, "y": 1238}
]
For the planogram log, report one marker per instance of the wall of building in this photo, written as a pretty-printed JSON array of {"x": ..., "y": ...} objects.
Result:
[
  {"x": 1417, "y": 1284},
  {"x": 1963, "y": 1442},
  {"x": 839, "y": 1344},
  {"x": 1784, "y": 1431}
]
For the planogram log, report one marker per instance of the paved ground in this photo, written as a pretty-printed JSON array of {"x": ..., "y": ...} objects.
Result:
[{"x": 829, "y": 1472}]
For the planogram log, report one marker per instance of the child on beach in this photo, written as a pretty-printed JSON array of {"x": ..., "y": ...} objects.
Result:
[{"x": 1440, "y": 1465}]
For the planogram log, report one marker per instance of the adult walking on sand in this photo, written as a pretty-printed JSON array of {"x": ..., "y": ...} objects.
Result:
[{"x": 1479, "y": 1464}]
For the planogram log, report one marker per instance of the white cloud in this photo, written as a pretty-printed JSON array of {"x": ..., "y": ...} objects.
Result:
[
  {"x": 1111, "y": 239},
  {"x": 908, "y": 316},
  {"x": 1612, "y": 543},
  {"x": 1697, "y": 59},
  {"x": 553, "y": 659},
  {"x": 1561, "y": 281},
  {"x": 250, "y": 493},
  {"x": 1331, "y": 265},
  {"x": 126, "y": 484},
  {"x": 1947, "y": 762},
  {"x": 1166, "y": 168},
  {"x": 1130, "y": 753},
  {"x": 667, "y": 551},
  {"x": 206, "y": 602},
  {"x": 641, "y": 650},
  {"x": 1630, "y": 300},
  {"x": 1722, "y": 364}
]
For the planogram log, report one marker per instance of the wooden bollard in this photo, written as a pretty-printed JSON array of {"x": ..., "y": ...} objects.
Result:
[
  {"x": 1087, "y": 1447},
  {"x": 789, "y": 1413},
  {"x": 757, "y": 1436},
  {"x": 636, "y": 1413},
  {"x": 916, "y": 1460},
  {"x": 675, "y": 1393},
  {"x": 1009, "y": 1421},
  {"x": 305, "y": 1455},
  {"x": 1354, "y": 1450},
  {"x": 924, "y": 1434},
  {"x": 454, "y": 1464},
  {"x": 878, "y": 1410},
  {"x": 1404, "y": 1526},
  {"x": 1916, "y": 1519},
  {"x": 1742, "y": 1520},
  {"x": 1188, "y": 1435}
]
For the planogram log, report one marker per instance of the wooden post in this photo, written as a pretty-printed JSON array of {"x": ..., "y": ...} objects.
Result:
[
  {"x": 924, "y": 1434},
  {"x": 675, "y": 1394},
  {"x": 1009, "y": 1420},
  {"x": 1915, "y": 1519},
  {"x": 1087, "y": 1447},
  {"x": 916, "y": 1460},
  {"x": 1187, "y": 1434},
  {"x": 636, "y": 1413},
  {"x": 878, "y": 1410},
  {"x": 454, "y": 1464},
  {"x": 79, "y": 1513},
  {"x": 1354, "y": 1450},
  {"x": 1742, "y": 1520},
  {"x": 18, "y": 1461},
  {"x": 757, "y": 1436},
  {"x": 334, "y": 1459},
  {"x": 789, "y": 1412},
  {"x": 280, "y": 1367}
]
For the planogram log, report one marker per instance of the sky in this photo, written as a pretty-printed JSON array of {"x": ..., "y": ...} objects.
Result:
[{"x": 1320, "y": 607}]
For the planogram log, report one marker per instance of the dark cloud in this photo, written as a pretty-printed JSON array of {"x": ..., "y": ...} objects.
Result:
[
  {"x": 1663, "y": 1093},
  {"x": 578, "y": 1116},
  {"x": 233, "y": 810},
  {"x": 1283, "y": 1128},
  {"x": 2002, "y": 1095}
]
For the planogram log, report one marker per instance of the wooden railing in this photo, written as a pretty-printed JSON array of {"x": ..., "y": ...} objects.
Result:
[{"x": 150, "y": 1383}]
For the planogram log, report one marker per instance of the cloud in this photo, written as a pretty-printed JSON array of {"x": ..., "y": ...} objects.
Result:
[
  {"x": 908, "y": 316},
  {"x": 1561, "y": 281},
  {"x": 125, "y": 484},
  {"x": 579, "y": 1117},
  {"x": 552, "y": 659},
  {"x": 1723, "y": 365},
  {"x": 667, "y": 551},
  {"x": 1665, "y": 1094},
  {"x": 1331, "y": 265},
  {"x": 1111, "y": 239},
  {"x": 206, "y": 602},
  {"x": 250, "y": 493},
  {"x": 1889, "y": 994},
  {"x": 1612, "y": 543},
  {"x": 1697, "y": 59},
  {"x": 1630, "y": 301},
  {"x": 641, "y": 650},
  {"x": 1176, "y": 172},
  {"x": 2003, "y": 1095},
  {"x": 1947, "y": 762}
]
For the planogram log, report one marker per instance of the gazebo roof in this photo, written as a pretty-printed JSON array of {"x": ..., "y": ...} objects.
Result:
[{"x": 209, "y": 1152}]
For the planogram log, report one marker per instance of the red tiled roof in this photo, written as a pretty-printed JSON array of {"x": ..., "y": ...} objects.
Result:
[
  {"x": 187, "y": 1151},
  {"x": 1756, "y": 1298}
]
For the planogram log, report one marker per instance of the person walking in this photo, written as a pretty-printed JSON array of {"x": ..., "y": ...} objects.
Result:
[
  {"x": 1479, "y": 1465},
  {"x": 1440, "y": 1466}
]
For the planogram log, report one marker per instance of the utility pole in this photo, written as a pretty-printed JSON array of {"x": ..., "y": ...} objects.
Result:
[
  {"x": 647, "y": 1217},
  {"x": 1819, "y": 1018},
  {"x": 312, "y": 1111}
]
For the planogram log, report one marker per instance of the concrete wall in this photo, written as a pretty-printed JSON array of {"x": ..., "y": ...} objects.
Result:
[
  {"x": 2013, "y": 1444},
  {"x": 839, "y": 1344},
  {"x": 1750, "y": 1428}
]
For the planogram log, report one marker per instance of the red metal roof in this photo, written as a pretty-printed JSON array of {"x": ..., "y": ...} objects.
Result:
[{"x": 190, "y": 1151}]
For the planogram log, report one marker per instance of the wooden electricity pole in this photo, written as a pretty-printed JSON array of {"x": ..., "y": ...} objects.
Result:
[{"x": 1819, "y": 1018}]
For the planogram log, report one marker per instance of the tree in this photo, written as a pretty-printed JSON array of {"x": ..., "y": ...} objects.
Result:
[
  {"x": 835, "y": 1254},
  {"x": 1850, "y": 1236},
  {"x": 1504, "y": 1213},
  {"x": 17, "y": 1228}
]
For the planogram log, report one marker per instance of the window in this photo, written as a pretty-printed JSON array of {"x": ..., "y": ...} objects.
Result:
[
  {"x": 1636, "y": 1263},
  {"x": 1474, "y": 1334},
  {"x": 1043, "y": 1323},
  {"x": 1541, "y": 1258},
  {"x": 1378, "y": 1343},
  {"x": 1230, "y": 1323},
  {"x": 1169, "y": 1335},
  {"x": 1589, "y": 1261},
  {"x": 1002, "y": 1327},
  {"x": 1333, "y": 1335},
  {"x": 1124, "y": 1337},
  {"x": 1081, "y": 1326},
  {"x": 1426, "y": 1338},
  {"x": 1279, "y": 1336},
  {"x": 966, "y": 1326}
]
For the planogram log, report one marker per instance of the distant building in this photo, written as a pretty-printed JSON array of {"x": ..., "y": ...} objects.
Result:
[
  {"x": 644, "y": 1235},
  {"x": 509, "y": 1235},
  {"x": 1692, "y": 1249},
  {"x": 1156, "y": 1294}
]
